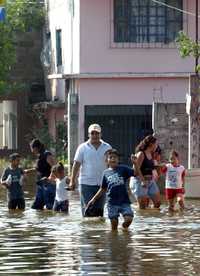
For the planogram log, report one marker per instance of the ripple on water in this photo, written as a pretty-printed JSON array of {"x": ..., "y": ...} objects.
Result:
[{"x": 47, "y": 243}]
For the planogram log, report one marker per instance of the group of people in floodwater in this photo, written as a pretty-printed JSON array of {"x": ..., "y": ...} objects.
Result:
[{"x": 100, "y": 176}]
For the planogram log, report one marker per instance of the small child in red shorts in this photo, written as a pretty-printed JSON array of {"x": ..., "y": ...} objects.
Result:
[{"x": 175, "y": 181}]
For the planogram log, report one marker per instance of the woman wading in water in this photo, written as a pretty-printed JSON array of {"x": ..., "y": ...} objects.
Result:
[{"x": 145, "y": 188}]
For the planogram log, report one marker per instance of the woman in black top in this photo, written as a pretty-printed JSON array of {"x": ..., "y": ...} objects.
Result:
[
  {"x": 45, "y": 189},
  {"x": 145, "y": 187}
]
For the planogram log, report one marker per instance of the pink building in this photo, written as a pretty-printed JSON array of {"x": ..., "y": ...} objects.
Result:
[{"x": 112, "y": 59}]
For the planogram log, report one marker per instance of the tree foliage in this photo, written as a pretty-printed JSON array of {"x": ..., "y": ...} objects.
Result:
[
  {"x": 188, "y": 47},
  {"x": 21, "y": 16}
]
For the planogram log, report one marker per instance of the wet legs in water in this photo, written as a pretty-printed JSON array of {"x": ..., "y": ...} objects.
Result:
[
  {"x": 156, "y": 200},
  {"x": 171, "y": 205},
  {"x": 180, "y": 201},
  {"x": 144, "y": 201},
  {"x": 125, "y": 224},
  {"x": 114, "y": 224}
]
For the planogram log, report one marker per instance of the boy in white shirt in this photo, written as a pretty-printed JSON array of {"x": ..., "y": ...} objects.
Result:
[{"x": 61, "y": 202}]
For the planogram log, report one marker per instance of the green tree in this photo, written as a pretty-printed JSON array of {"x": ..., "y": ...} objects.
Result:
[
  {"x": 21, "y": 16},
  {"x": 188, "y": 47}
]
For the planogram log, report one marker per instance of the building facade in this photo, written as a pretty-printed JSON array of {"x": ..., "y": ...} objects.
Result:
[
  {"x": 15, "y": 118},
  {"x": 111, "y": 59}
]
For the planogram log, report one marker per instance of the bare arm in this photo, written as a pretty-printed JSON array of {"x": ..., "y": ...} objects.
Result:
[
  {"x": 140, "y": 158},
  {"x": 27, "y": 171},
  {"x": 4, "y": 183},
  {"x": 75, "y": 170},
  {"x": 6, "y": 180},
  {"x": 137, "y": 162},
  {"x": 130, "y": 193},
  {"x": 183, "y": 179},
  {"x": 96, "y": 196}
]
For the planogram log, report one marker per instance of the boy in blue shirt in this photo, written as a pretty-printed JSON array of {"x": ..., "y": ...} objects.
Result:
[
  {"x": 12, "y": 179},
  {"x": 114, "y": 182}
]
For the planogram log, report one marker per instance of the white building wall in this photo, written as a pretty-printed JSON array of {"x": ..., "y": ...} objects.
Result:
[
  {"x": 64, "y": 15},
  {"x": 1, "y": 125},
  {"x": 10, "y": 124}
]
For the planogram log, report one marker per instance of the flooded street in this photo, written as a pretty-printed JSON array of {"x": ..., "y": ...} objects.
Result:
[{"x": 47, "y": 243}]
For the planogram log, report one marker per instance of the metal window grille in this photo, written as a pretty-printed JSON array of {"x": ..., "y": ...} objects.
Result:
[{"x": 144, "y": 21}]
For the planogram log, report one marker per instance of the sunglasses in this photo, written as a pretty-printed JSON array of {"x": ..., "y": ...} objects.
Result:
[{"x": 94, "y": 133}]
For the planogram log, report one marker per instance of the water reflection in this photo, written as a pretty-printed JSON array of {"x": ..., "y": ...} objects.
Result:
[{"x": 45, "y": 243}]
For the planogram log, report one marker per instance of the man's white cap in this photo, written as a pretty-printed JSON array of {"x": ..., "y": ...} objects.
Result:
[{"x": 94, "y": 127}]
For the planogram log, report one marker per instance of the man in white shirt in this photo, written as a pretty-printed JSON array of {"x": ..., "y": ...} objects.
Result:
[{"x": 90, "y": 159}]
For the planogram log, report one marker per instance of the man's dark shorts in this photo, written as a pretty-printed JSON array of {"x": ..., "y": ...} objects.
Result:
[
  {"x": 45, "y": 196},
  {"x": 62, "y": 206}
]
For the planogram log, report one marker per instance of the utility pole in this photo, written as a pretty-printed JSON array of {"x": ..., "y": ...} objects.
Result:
[
  {"x": 197, "y": 35},
  {"x": 194, "y": 110}
]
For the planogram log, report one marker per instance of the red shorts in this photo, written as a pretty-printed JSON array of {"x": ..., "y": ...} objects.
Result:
[{"x": 172, "y": 193}]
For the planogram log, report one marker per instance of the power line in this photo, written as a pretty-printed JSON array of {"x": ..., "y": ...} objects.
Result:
[
  {"x": 155, "y": 1},
  {"x": 174, "y": 8}
]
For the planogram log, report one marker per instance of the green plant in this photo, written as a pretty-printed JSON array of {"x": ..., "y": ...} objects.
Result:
[
  {"x": 4, "y": 162},
  {"x": 61, "y": 139},
  {"x": 21, "y": 16},
  {"x": 42, "y": 133},
  {"x": 27, "y": 162},
  {"x": 45, "y": 137},
  {"x": 188, "y": 47}
]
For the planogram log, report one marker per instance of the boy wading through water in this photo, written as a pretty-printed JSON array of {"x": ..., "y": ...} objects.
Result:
[
  {"x": 12, "y": 179},
  {"x": 114, "y": 182}
]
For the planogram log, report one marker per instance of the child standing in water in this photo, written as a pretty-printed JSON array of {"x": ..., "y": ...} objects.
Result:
[
  {"x": 114, "y": 183},
  {"x": 61, "y": 202},
  {"x": 12, "y": 179},
  {"x": 175, "y": 181}
]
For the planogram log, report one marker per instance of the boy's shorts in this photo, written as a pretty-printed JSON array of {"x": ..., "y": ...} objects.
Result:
[
  {"x": 173, "y": 193},
  {"x": 115, "y": 210},
  {"x": 139, "y": 191},
  {"x": 62, "y": 206},
  {"x": 16, "y": 203}
]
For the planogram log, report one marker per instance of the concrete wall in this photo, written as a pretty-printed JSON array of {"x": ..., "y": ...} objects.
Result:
[
  {"x": 28, "y": 67},
  {"x": 170, "y": 123}
]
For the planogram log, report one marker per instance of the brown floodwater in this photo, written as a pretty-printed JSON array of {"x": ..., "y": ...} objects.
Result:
[{"x": 46, "y": 243}]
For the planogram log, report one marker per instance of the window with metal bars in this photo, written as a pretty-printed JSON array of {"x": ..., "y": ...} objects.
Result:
[{"x": 145, "y": 21}]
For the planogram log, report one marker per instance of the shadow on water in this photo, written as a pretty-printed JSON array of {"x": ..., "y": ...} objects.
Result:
[{"x": 47, "y": 243}]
